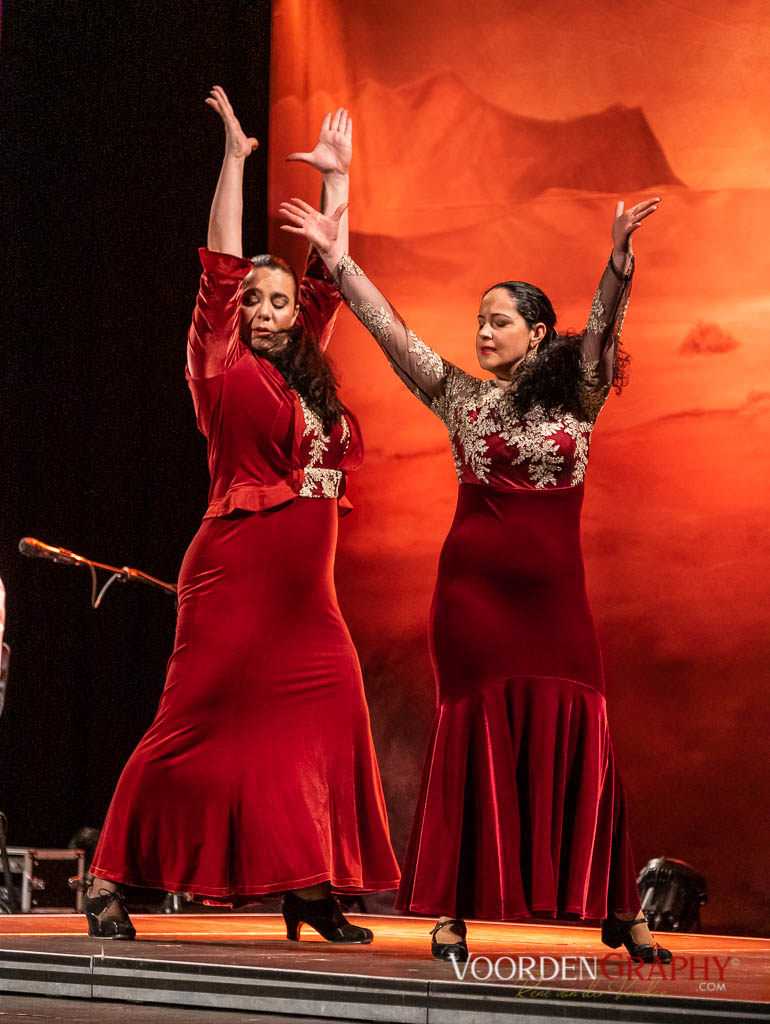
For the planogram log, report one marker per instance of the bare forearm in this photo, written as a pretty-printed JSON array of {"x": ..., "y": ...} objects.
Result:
[
  {"x": 334, "y": 192},
  {"x": 225, "y": 220}
]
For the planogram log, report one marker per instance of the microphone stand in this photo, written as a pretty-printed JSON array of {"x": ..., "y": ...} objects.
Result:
[
  {"x": 36, "y": 549},
  {"x": 32, "y": 548}
]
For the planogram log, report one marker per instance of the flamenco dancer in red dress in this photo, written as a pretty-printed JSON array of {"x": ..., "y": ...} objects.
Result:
[
  {"x": 521, "y": 810},
  {"x": 258, "y": 774}
]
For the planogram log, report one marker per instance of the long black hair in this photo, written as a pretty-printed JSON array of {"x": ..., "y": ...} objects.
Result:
[
  {"x": 301, "y": 362},
  {"x": 553, "y": 375}
]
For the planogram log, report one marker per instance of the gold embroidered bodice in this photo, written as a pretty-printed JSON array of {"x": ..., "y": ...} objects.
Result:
[
  {"x": 322, "y": 454},
  {"x": 490, "y": 446}
]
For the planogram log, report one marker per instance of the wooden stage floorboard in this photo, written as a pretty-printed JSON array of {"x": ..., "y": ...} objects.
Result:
[{"x": 524, "y": 972}]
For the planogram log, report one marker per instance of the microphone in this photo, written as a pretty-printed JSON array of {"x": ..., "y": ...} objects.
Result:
[{"x": 37, "y": 549}]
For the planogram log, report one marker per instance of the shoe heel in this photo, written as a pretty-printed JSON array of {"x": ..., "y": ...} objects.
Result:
[
  {"x": 109, "y": 927},
  {"x": 611, "y": 935},
  {"x": 293, "y": 927},
  {"x": 325, "y": 916}
]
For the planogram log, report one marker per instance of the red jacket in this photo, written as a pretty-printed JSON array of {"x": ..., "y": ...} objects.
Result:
[{"x": 252, "y": 420}]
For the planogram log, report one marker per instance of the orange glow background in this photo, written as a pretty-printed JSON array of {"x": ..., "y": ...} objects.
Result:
[{"x": 494, "y": 145}]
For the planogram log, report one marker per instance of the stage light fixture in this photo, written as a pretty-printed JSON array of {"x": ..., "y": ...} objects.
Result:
[{"x": 672, "y": 893}]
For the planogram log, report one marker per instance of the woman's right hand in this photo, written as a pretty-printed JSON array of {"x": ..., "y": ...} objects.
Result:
[
  {"x": 237, "y": 144},
  {"x": 321, "y": 231},
  {"x": 334, "y": 148}
]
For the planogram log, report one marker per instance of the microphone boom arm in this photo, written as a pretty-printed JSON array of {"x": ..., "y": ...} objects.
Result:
[{"x": 37, "y": 549}]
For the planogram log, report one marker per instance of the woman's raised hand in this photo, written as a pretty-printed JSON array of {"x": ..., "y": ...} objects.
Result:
[
  {"x": 334, "y": 148},
  {"x": 321, "y": 231},
  {"x": 237, "y": 144},
  {"x": 627, "y": 221}
]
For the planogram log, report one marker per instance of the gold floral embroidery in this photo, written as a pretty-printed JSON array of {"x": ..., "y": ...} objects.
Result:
[
  {"x": 593, "y": 394},
  {"x": 317, "y": 478},
  {"x": 590, "y": 373},
  {"x": 427, "y": 360},
  {"x": 580, "y": 432},
  {"x": 531, "y": 436},
  {"x": 347, "y": 265},
  {"x": 597, "y": 318},
  {"x": 327, "y": 480},
  {"x": 314, "y": 426},
  {"x": 466, "y": 407},
  {"x": 378, "y": 321},
  {"x": 345, "y": 439},
  {"x": 471, "y": 410}
]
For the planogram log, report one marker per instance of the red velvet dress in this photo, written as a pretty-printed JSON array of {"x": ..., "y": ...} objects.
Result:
[
  {"x": 258, "y": 773},
  {"x": 521, "y": 810}
]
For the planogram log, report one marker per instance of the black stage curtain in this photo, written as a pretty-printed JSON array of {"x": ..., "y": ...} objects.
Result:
[{"x": 110, "y": 158}]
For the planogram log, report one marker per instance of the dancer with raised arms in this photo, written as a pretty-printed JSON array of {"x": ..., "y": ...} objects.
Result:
[
  {"x": 521, "y": 811},
  {"x": 258, "y": 775}
]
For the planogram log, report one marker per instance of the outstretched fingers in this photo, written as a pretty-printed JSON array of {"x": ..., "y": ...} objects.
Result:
[
  {"x": 215, "y": 103},
  {"x": 301, "y": 204},
  {"x": 295, "y": 216},
  {"x": 341, "y": 122},
  {"x": 218, "y": 101},
  {"x": 644, "y": 213},
  {"x": 220, "y": 96},
  {"x": 293, "y": 213},
  {"x": 641, "y": 212},
  {"x": 647, "y": 204}
]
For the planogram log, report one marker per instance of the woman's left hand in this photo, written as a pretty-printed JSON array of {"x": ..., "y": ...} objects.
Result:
[
  {"x": 334, "y": 148},
  {"x": 321, "y": 231},
  {"x": 627, "y": 221}
]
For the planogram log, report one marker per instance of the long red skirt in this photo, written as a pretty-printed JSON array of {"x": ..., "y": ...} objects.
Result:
[
  {"x": 258, "y": 773},
  {"x": 521, "y": 810}
]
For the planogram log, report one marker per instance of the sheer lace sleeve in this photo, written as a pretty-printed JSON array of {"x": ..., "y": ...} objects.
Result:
[
  {"x": 601, "y": 337},
  {"x": 422, "y": 370}
]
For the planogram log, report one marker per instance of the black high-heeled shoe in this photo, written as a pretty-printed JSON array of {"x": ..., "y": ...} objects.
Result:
[
  {"x": 450, "y": 950},
  {"x": 325, "y": 916},
  {"x": 108, "y": 927},
  {"x": 615, "y": 932}
]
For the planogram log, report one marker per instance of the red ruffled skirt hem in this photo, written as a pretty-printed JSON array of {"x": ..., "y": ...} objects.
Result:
[
  {"x": 244, "y": 894},
  {"x": 521, "y": 810}
]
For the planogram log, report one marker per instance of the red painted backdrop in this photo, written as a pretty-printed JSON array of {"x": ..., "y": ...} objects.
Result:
[{"x": 494, "y": 145}]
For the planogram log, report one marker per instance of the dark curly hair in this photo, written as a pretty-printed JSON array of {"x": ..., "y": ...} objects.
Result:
[
  {"x": 553, "y": 375},
  {"x": 301, "y": 363}
]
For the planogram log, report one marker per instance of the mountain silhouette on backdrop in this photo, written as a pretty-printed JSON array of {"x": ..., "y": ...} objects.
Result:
[{"x": 435, "y": 141}]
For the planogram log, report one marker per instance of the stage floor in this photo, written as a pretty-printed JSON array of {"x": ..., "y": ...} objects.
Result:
[{"x": 243, "y": 962}]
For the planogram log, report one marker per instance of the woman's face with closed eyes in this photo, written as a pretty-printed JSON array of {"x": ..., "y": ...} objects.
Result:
[
  {"x": 268, "y": 308},
  {"x": 503, "y": 337}
]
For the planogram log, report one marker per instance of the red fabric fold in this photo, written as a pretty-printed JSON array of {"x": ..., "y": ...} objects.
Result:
[
  {"x": 521, "y": 808},
  {"x": 258, "y": 773}
]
